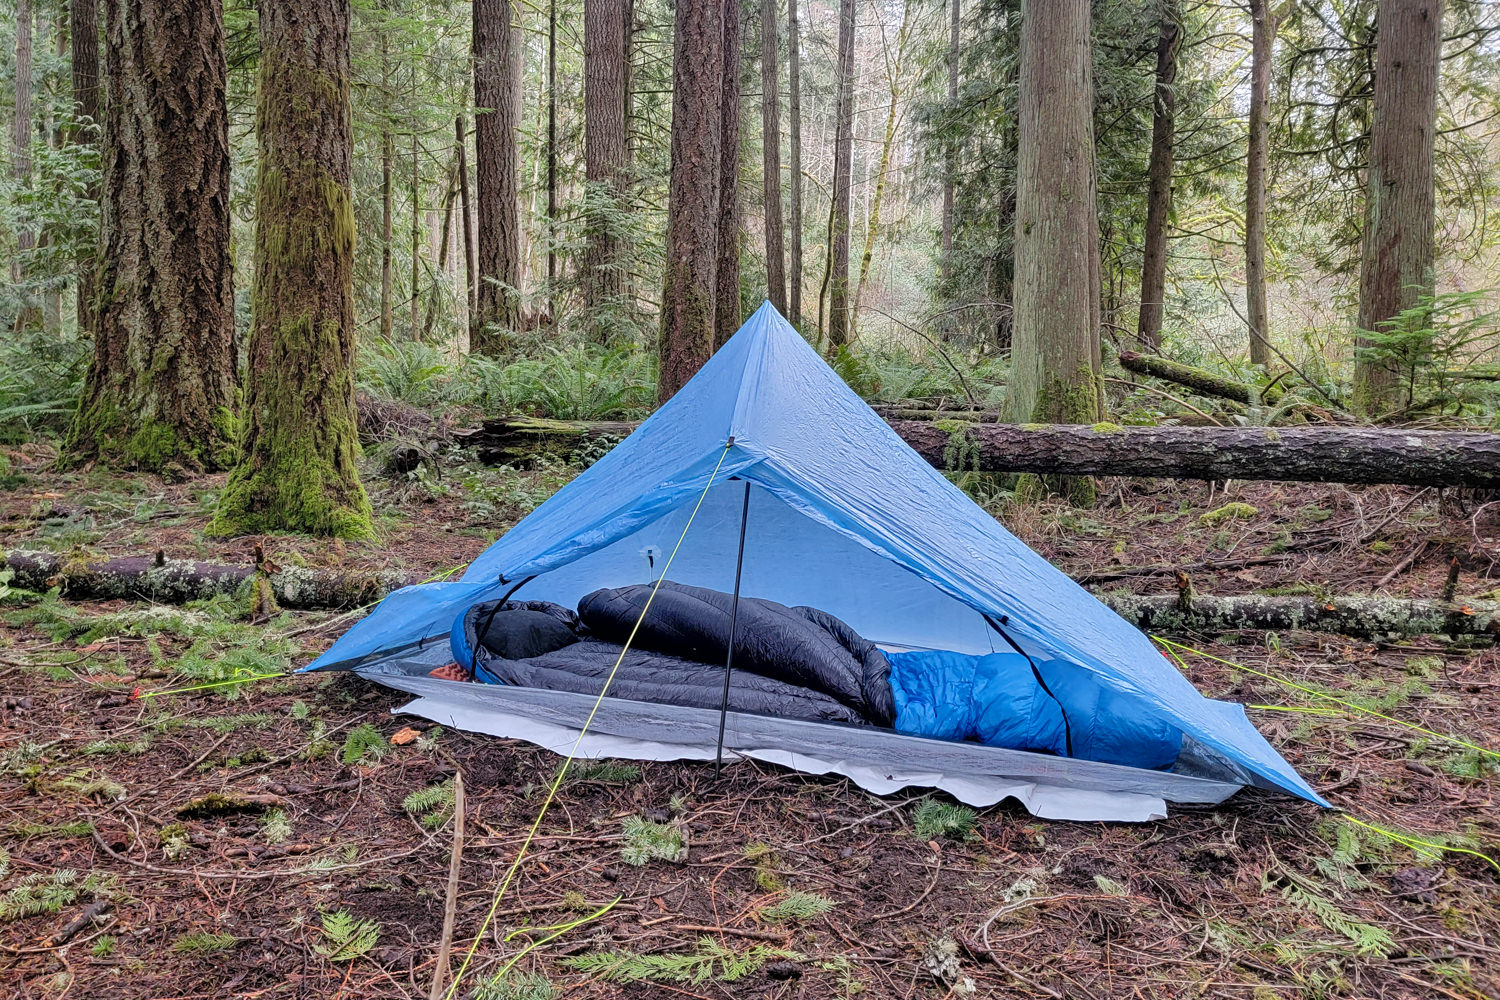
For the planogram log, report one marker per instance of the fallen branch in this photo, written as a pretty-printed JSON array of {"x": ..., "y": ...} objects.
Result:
[
  {"x": 1205, "y": 383},
  {"x": 1325, "y": 454},
  {"x": 1357, "y": 617},
  {"x": 450, "y": 905}
]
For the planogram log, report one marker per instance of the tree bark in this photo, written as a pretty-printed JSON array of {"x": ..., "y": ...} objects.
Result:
[
  {"x": 770, "y": 121},
  {"x": 1396, "y": 260},
  {"x": 727, "y": 266},
  {"x": 30, "y": 313},
  {"x": 497, "y": 92},
  {"x": 1055, "y": 360},
  {"x": 299, "y": 442},
  {"x": 84, "y": 17},
  {"x": 839, "y": 319},
  {"x": 950, "y": 146},
  {"x": 1358, "y": 617},
  {"x": 1203, "y": 382},
  {"x": 606, "y": 31},
  {"x": 552, "y": 161},
  {"x": 1327, "y": 454},
  {"x": 691, "y": 284},
  {"x": 387, "y": 211},
  {"x": 1159, "y": 174},
  {"x": 794, "y": 137},
  {"x": 1262, "y": 40},
  {"x": 161, "y": 387}
]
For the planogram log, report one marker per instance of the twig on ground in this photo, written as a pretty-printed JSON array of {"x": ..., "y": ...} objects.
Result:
[{"x": 450, "y": 906}]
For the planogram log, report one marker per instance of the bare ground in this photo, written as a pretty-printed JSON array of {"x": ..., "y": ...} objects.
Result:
[{"x": 1262, "y": 897}]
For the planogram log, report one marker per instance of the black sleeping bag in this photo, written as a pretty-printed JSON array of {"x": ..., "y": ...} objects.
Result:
[{"x": 790, "y": 662}]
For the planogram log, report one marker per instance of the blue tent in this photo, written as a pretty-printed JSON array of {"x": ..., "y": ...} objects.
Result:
[{"x": 843, "y": 516}]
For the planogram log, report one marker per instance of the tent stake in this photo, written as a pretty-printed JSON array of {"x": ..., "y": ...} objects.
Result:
[{"x": 734, "y": 614}]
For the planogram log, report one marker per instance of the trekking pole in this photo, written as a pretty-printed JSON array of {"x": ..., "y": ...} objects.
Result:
[{"x": 734, "y": 614}]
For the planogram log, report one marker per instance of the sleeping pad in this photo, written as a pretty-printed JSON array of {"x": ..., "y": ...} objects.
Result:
[{"x": 802, "y": 663}]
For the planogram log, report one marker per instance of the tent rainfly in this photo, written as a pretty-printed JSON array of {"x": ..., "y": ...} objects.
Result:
[{"x": 842, "y": 516}]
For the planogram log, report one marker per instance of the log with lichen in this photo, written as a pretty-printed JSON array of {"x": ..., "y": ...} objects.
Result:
[
  {"x": 1325, "y": 454},
  {"x": 177, "y": 581},
  {"x": 1357, "y": 617}
]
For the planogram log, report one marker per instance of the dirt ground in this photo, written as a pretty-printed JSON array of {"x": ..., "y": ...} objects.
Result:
[{"x": 269, "y": 839}]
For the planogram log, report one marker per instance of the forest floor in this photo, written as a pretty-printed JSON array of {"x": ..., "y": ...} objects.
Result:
[{"x": 264, "y": 840}]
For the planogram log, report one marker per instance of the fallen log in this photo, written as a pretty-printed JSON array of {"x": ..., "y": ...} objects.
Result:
[
  {"x": 1322, "y": 454},
  {"x": 1357, "y": 617},
  {"x": 177, "y": 581},
  {"x": 1204, "y": 383}
]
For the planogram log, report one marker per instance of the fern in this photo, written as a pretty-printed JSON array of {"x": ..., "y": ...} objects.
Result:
[
  {"x": 609, "y": 772},
  {"x": 204, "y": 943},
  {"x": 935, "y": 819},
  {"x": 364, "y": 744},
  {"x": 433, "y": 804},
  {"x": 516, "y": 986},
  {"x": 346, "y": 937},
  {"x": 797, "y": 906},
  {"x": 1367, "y": 938},
  {"x": 4, "y": 861},
  {"x": 709, "y": 961},
  {"x": 275, "y": 826},
  {"x": 42, "y": 893},
  {"x": 646, "y": 841}
]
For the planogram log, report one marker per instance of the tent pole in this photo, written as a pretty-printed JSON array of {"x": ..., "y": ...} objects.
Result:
[{"x": 734, "y": 614}]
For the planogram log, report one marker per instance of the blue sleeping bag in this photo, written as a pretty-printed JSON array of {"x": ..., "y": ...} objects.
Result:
[{"x": 996, "y": 699}]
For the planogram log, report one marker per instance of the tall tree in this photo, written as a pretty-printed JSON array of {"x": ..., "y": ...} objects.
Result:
[
  {"x": 387, "y": 190},
  {"x": 606, "y": 159},
  {"x": 84, "y": 37},
  {"x": 727, "y": 267},
  {"x": 1396, "y": 259},
  {"x": 161, "y": 386},
  {"x": 895, "y": 66},
  {"x": 1159, "y": 178},
  {"x": 690, "y": 285},
  {"x": 552, "y": 161},
  {"x": 1262, "y": 39},
  {"x": 770, "y": 121},
  {"x": 22, "y": 125},
  {"x": 497, "y": 93},
  {"x": 461, "y": 141},
  {"x": 839, "y": 326},
  {"x": 299, "y": 442},
  {"x": 1055, "y": 362},
  {"x": 950, "y": 150},
  {"x": 794, "y": 127}
]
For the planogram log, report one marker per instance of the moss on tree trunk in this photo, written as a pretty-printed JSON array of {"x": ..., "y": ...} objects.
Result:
[
  {"x": 297, "y": 467},
  {"x": 160, "y": 390}
]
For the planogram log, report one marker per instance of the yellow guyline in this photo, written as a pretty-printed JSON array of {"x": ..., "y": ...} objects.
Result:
[{"x": 557, "y": 780}]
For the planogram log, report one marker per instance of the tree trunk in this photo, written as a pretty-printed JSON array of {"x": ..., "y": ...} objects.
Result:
[
  {"x": 605, "y": 36},
  {"x": 1329, "y": 454},
  {"x": 692, "y": 244},
  {"x": 1262, "y": 39},
  {"x": 770, "y": 121},
  {"x": 30, "y": 313},
  {"x": 497, "y": 92},
  {"x": 872, "y": 227},
  {"x": 299, "y": 445},
  {"x": 950, "y": 146},
  {"x": 727, "y": 267},
  {"x": 461, "y": 139},
  {"x": 552, "y": 161},
  {"x": 1358, "y": 617},
  {"x": 1159, "y": 173},
  {"x": 387, "y": 211},
  {"x": 1203, "y": 382},
  {"x": 84, "y": 17},
  {"x": 416, "y": 229},
  {"x": 794, "y": 136},
  {"x": 1055, "y": 369},
  {"x": 1396, "y": 260},
  {"x": 839, "y": 320},
  {"x": 161, "y": 387}
]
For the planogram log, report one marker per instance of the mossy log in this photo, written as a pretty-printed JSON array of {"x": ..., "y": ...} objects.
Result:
[
  {"x": 1204, "y": 383},
  {"x": 1321, "y": 454},
  {"x": 1357, "y": 617},
  {"x": 177, "y": 581}
]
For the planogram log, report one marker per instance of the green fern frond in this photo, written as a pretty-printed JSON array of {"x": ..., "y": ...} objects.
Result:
[
  {"x": 346, "y": 937},
  {"x": 797, "y": 906}
]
